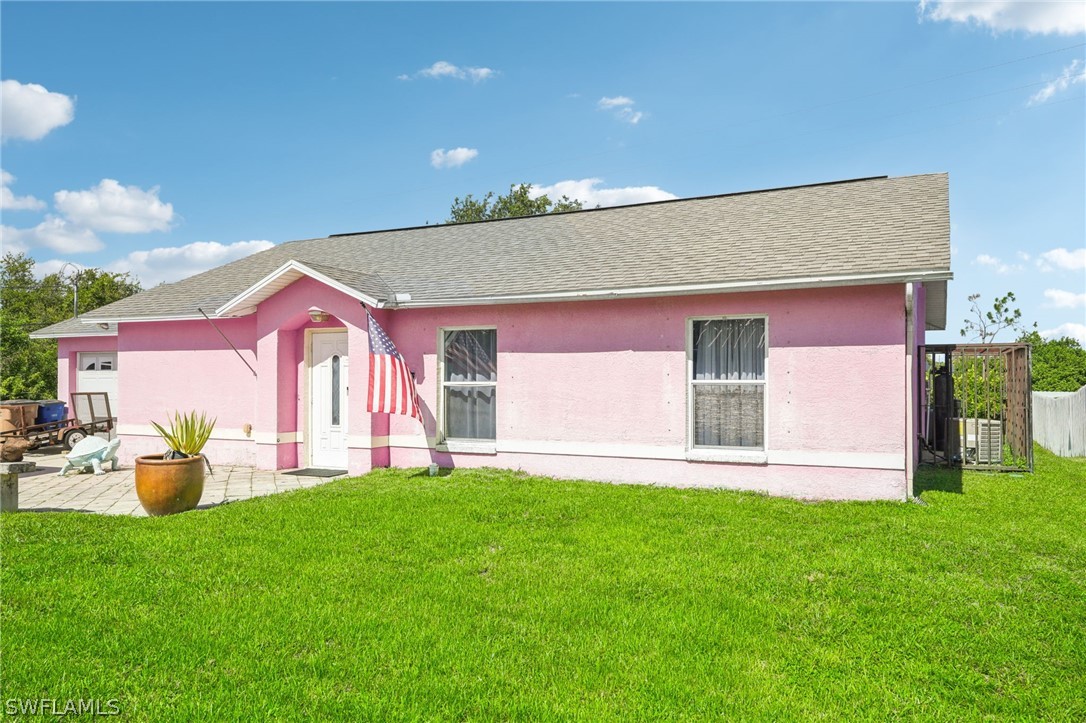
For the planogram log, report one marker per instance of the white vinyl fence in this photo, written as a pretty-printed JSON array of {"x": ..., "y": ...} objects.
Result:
[{"x": 1059, "y": 422}]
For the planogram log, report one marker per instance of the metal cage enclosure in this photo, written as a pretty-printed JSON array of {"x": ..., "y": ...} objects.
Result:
[{"x": 976, "y": 406}]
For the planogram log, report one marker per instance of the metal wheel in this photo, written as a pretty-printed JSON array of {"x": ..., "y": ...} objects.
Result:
[{"x": 73, "y": 437}]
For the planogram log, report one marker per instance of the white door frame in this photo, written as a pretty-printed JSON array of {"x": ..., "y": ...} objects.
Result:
[{"x": 308, "y": 445}]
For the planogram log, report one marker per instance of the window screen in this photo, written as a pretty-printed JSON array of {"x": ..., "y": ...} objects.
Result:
[
  {"x": 470, "y": 383},
  {"x": 728, "y": 383}
]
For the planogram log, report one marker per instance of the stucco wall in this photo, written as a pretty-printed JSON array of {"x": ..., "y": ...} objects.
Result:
[
  {"x": 68, "y": 357},
  {"x": 597, "y": 388},
  {"x": 585, "y": 389},
  {"x": 183, "y": 366},
  {"x": 188, "y": 365},
  {"x": 282, "y": 325}
]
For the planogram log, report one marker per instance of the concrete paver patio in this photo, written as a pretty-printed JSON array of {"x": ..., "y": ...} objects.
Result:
[{"x": 114, "y": 493}]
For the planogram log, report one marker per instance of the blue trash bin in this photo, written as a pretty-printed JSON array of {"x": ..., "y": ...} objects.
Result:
[{"x": 50, "y": 411}]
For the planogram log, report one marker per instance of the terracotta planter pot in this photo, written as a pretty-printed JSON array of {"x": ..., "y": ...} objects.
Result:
[{"x": 169, "y": 486}]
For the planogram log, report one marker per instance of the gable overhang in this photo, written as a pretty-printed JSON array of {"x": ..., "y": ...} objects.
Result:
[{"x": 246, "y": 302}]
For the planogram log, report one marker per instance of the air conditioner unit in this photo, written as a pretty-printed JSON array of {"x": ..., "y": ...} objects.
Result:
[{"x": 981, "y": 439}]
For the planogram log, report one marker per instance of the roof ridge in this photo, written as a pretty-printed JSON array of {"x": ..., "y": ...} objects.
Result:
[{"x": 840, "y": 182}]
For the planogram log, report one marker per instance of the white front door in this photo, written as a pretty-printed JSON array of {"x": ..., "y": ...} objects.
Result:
[{"x": 328, "y": 400}]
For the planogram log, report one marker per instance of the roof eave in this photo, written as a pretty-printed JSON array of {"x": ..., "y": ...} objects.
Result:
[
  {"x": 596, "y": 294},
  {"x": 73, "y": 334},
  {"x": 691, "y": 289},
  {"x": 131, "y": 319}
]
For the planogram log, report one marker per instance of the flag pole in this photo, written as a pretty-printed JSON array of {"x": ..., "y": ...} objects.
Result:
[
  {"x": 396, "y": 376},
  {"x": 209, "y": 321}
]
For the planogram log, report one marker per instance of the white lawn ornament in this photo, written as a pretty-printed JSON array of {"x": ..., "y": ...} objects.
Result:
[{"x": 92, "y": 452}]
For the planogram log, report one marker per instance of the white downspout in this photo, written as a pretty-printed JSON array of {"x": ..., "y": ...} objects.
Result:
[{"x": 910, "y": 373}]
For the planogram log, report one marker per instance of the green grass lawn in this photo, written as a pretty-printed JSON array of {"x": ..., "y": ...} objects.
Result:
[{"x": 488, "y": 595}]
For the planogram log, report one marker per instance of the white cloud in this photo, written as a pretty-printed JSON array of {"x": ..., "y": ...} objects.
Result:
[
  {"x": 1060, "y": 18},
  {"x": 54, "y": 233},
  {"x": 109, "y": 206},
  {"x": 1072, "y": 75},
  {"x": 12, "y": 241},
  {"x": 1071, "y": 329},
  {"x": 478, "y": 74},
  {"x": 173, "y": 263},
  {"x": 29, "y": 111},
  {"x": 455, "y": 158},
  {"x": 1023, "y": 255},
  {"x": 587, "y": 191},
  {"x": 618, "y": 101},
  {"x": 444, "y": 69},
  {"x": 622, "y": 107},
  {"x": 1064, "y": 299},
  {"x": 1061, "y": 258},
  {"x": 10, "y": 202},
  {"x": 997, "y": 265}
]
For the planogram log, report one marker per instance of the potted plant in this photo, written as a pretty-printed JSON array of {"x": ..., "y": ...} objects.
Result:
[{"x": 174, "y": 482}]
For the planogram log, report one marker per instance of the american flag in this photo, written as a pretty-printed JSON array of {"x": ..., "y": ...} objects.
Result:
[{"x": 392, "y": 388}]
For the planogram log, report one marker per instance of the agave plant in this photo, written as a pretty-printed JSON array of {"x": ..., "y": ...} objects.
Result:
[{"x": 187, "y": 434}]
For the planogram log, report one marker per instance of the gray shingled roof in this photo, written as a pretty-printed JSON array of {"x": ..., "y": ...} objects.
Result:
[{"x": 869, "y": 226}]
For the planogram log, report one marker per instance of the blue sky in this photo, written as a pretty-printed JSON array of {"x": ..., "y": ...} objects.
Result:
[{"x": 166, "y": 138}]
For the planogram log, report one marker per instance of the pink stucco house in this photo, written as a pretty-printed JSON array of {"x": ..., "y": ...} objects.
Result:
[{"x": 764, "y": 341}]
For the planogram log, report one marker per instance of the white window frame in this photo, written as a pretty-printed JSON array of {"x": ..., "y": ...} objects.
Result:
[
  {"x": 701, "y": 453},
  {"x": 97, "y": 365},
  {"x": 459, "y": 444}
]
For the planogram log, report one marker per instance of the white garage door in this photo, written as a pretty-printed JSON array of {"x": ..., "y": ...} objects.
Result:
[{"x": 98, "y": 373}]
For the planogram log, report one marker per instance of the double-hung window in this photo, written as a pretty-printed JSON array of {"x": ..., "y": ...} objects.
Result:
[
  {"x": 727, "y": 383},
  {"x": 469, "y": 383}
]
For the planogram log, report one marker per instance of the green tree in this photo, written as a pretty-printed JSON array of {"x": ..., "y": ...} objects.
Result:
[
  {"x": 516, "y": 203},
  {"x": 98, "y": 288},
  {"x": 1058, "y": 365},
  {"x": 28, "y": 367},
  {"x": 987, "y": 324}
]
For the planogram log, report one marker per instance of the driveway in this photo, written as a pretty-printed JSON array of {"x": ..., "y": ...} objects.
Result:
[{"x": 114, "y": 493}]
